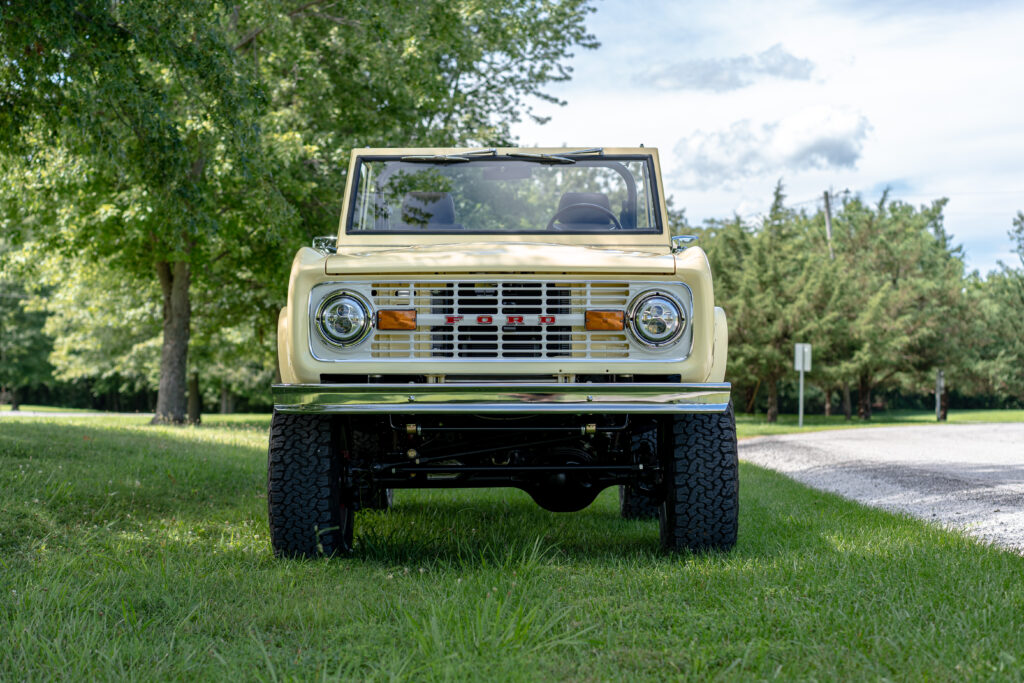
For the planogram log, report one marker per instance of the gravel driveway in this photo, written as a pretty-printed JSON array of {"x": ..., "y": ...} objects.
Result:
[{"x": 968, "y": 477}]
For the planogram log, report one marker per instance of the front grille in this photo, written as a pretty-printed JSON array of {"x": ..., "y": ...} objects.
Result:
[{"x": 494, "y": 319}]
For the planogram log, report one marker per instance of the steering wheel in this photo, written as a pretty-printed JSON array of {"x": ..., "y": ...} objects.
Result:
[{"x": 616, "y": 225}]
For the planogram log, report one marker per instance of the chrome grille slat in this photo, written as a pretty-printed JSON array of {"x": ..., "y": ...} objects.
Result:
[{"x": 436, "y": 340}]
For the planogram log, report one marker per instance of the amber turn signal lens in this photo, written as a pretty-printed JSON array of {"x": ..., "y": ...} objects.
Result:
[
  {"x": 606, "y": 320},
  {"x": 396, "y": 320}
]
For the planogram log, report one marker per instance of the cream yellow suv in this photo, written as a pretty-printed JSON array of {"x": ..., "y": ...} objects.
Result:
[{"x": 502, "y": 317}]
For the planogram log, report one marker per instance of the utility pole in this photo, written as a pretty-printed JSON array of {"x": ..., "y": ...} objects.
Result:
[{"x": 828, "y": 226}]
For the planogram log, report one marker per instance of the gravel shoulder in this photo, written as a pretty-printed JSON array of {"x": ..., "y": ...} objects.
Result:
[{"x": 966, "y": 477}]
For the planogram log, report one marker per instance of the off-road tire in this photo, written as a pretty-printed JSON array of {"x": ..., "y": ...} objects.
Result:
[
  {"x": 634, "y": 503},
  {"x": 370, "y": 498},
  {"x": 309, "y": 513},
  {"x": 701, "y": 507},
  {"x": 375, "y": 498}
]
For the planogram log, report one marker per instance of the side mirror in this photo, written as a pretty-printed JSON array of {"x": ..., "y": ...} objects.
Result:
[
  {"x": 326, "y": 244},
  {"x": 679, "y": 242}
]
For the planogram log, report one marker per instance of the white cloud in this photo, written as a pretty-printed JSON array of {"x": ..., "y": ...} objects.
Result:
[
  {"x": 935, "y": 81},
  {"x": 815, "y": 138},
  {"x": 731, "y": 73}
]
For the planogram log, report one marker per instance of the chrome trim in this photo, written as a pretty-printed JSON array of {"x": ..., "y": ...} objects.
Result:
[
  {"x": 679, "y": 242},
  {"x": 478, "y": 398},
  {"x": 681, "y": 310},
  {"x": 640, "y": 353},
  {"x": 368, "y": 318},
  {"x": 326, "y": 244}
]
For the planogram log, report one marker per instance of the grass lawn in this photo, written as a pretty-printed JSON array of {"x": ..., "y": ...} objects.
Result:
[{"x": 130, "y": 551}]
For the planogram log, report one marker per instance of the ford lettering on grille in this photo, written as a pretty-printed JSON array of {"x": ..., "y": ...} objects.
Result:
[{"x": 508, "y": 320}]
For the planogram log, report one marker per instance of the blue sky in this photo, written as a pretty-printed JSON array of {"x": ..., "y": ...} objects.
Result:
[{"x": 924, "y": 97}]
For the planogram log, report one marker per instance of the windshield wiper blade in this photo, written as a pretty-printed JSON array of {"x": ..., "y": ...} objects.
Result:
[
  {"x": 542, "y": 158},
  {"x": 435, "y": 158},
  {"x": 449, "y": 158},
  {"x": 591, "y": 150}
]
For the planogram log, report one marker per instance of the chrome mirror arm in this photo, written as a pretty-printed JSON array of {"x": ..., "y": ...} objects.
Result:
[{"x": 679, "y": 242}]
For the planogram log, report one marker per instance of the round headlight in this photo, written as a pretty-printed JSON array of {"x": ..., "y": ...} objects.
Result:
[
  {"x": 343, "y": 319},
  {"x": 657, "y": 320}
]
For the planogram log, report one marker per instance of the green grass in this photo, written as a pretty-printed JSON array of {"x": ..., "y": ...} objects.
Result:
[{"x": 138, "y": 552}]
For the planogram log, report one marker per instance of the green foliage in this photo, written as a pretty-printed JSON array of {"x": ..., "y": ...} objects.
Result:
[
  {"x": 909, "y": 277},
  {"x": 888, "y": 311},
  {"x": 1017, "y": 235},
  {"x": 143, "y": 112},
  {"x": 399, "y": 74},
  {"x": 24, "y": 345},
  {"x": 993, "y": 343},
  {"x": 149, "y": 133}
]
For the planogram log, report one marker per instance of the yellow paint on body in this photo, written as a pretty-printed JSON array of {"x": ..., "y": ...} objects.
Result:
[{"x": 615, "y": 256}]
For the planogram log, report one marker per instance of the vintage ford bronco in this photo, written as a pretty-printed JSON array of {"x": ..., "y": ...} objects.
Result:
[{"x": 502, "y": 317}]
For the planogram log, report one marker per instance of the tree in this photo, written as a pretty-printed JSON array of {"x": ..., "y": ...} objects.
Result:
[
  {"x": 24, "y": 346},
  {"x": 187, "y": 141},
  {"x": 992, "y": 347},
  {"x": 887, "y": 310},
  {"x": 1017, "y": 236},
  {"x": 106, "y": 330},
  {"x": 766, "y": 300},
  {"x": 904, "y": 298},
  {"x": 148, "y": 103}
]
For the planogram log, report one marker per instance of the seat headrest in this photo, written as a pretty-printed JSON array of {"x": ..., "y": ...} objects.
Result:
[
  {"x": 584, "y": 214},
  {"x": 426, "y": 208}
]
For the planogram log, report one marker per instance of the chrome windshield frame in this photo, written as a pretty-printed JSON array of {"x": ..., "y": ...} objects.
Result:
[{"x": 585, "y": 158}]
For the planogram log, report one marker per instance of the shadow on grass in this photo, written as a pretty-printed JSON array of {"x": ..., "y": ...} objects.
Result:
[{"x": 466, "y": 533}]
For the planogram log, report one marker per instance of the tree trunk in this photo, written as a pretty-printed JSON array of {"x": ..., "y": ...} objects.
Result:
[
  {"x": 195, "y": 400},
  {"x": 828, "y": 401},
  {"x": 847, "y": 403},
  {"x": 864, "y": 398},
  {"x": 773, "y": 401},
  {"x": 170, "y": 400},
  {"x": 226, "y": 402},
  {"x": 752, "y": 397},
  {"x": 15, "y": 402},
  {"x": 944, "y": 403}
]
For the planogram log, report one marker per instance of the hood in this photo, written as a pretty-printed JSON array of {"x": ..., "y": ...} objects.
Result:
[{"x": 484, "y": 257}]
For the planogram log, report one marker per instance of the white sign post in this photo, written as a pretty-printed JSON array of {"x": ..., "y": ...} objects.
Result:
[{"x": 802, "y": 364}]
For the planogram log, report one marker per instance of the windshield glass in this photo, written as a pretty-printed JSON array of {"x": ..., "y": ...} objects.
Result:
[{"x": 502, "y": 194}]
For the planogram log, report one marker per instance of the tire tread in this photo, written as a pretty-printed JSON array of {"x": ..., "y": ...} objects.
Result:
[
  {"x": 307, "y": 514},
  {"x": 701, "y": 507}
]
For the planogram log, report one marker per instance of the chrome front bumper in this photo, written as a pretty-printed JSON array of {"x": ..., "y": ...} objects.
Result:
[{"x": 502, "y": 398}]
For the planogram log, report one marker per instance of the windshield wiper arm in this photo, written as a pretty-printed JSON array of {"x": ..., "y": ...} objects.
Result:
[
  {"x": 592, "y": 150},
  {"x": 449, "y": 158},
  {"x": 542, "y": 158}
]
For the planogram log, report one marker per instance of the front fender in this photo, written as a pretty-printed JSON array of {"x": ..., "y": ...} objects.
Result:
[
  {"x": 284, "y": 350},
  {"x": 720, "y": 350}
]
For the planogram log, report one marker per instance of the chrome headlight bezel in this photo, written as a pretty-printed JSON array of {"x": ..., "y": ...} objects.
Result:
[
  {"x": 362, "y": 330},
  {"x": 635, "y": 311}
]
